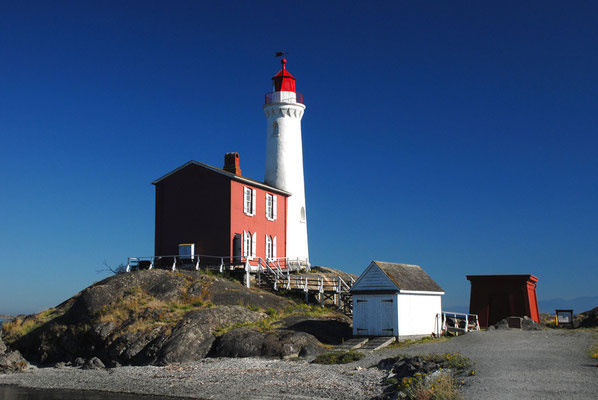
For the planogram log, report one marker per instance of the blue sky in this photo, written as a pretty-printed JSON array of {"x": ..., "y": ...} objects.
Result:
[{"x": 455, "y": 135}]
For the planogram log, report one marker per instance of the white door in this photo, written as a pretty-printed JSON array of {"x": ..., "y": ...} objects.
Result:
[{"x": 374, "y": 315}]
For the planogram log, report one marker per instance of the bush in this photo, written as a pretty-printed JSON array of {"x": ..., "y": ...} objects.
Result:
[
  {"x": 418, "y": 387},
  {"x": 338, "y": 357}
]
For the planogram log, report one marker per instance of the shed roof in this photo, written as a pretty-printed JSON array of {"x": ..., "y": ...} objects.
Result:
[
  {"x": 225, "y": 173},
  {"x": 406, "y": 277}
]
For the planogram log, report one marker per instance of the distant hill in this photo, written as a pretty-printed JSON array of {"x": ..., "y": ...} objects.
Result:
[{"x": 578, "y": 304}]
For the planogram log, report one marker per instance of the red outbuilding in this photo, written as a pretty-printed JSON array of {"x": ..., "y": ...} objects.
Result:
[
  {"x": 495, "y": 297},
  {"x": 217, "y": 215}
]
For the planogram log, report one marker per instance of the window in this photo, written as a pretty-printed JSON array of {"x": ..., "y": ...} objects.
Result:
[
  {"x": 271, "y": 207},
  {"x": 249, "y": 201},
  {"x": 270, "y": 247},
  {"x": 186, "y": 251},
  {"x": 302, "y": 216},
  {"x": 249, "y": 246},
  {"x": 275, "y": 131}
]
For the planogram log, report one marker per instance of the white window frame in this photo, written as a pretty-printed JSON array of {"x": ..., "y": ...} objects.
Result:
[
  {"x": 249, "y": 200},
  {"x": 186, "y": 251},
  {"x": 269, "y": 254},
  {"x": 246, "y": 244},
  {"x": 271, "y": 207}
]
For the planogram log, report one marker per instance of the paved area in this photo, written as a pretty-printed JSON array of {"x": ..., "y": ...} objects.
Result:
[{"x": 513, "y": 364}]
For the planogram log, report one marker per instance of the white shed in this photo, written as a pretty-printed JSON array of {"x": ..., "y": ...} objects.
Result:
[{"x": 392, "y": 299}]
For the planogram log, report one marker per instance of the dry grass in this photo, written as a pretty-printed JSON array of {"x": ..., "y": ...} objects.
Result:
[
  {"x": 419, "y": 387},
  {"x": 138, "y": 311},
  {"x": 19, "y": 327},
  {"x": 410, "y": 342},
  {"x": 338, "y": 357}
]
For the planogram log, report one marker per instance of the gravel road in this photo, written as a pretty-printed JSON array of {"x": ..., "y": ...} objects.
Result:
[
  {"x": 550, "y": 364},
  {"x": 513, "y": 364}
]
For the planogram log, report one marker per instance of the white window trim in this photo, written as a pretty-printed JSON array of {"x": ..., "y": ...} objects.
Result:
[
  {"x": 249, "y": 200},
  {"x": 268, "y": 248},
  {"x": 271, "y": 207}
]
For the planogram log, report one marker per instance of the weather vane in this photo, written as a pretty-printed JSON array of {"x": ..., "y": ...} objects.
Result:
[{"x": 280, "y": 54}]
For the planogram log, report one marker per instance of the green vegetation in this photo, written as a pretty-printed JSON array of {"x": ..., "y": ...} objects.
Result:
[
  {"x": 441, "y": 387},
  {"x": 410, "y": 342},
  {"x": 455, "y": 361},
  {"x": 19, "y": 327},
  {"x": 272, "y": 321},
  {"x": 338, "y": 357},
  {"x": 418, "y": 387}
]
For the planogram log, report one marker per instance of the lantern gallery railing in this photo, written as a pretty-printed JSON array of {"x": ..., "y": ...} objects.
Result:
[{"x": 283, "y": 97}]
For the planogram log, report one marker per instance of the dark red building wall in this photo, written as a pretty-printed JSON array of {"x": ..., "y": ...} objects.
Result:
[
  {"x": 495, "y": 297},
  {"x": 193, "y": 206}
]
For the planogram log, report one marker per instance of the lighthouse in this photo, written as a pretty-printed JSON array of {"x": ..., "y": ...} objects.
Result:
[{"x": 284, "y": 159}]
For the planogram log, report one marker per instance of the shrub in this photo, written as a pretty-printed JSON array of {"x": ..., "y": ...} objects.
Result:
[
  {"x": 418, "y": 387},
  {"x": 338, "y": 357}
]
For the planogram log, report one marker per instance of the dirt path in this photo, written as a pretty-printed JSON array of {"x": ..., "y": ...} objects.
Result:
[{"x": 550, "y": 364}]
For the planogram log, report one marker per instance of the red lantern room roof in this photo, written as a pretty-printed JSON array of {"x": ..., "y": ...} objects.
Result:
[{"x": 283, "y": 81}]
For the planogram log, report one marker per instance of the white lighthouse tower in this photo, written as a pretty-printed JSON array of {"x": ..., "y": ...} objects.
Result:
[{"x": 284, "y": 159}]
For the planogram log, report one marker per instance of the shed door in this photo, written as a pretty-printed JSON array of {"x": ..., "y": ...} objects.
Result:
[{"x": 374, "y": 315}]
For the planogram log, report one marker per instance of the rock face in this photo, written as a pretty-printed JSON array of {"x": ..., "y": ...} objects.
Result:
[
  {"x": 524, "y": 323},
  {"x": 192, "y": 337},
  {"x": 589, "y": 318},
  {"x": 328, "y": 330},
  {"x": 279, "y": 344},
  {"x": 162, "y": 317},
  {"x": 11, "y": 361}
]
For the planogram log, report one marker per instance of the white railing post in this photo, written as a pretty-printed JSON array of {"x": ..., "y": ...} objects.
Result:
[
  {"x": 247, "y": 276},
  {"x": 151, "y": 263},
  {"x": 197, "y": 264},
  {"x": 221, "y": 264},
  {"x": 174, "y": 263}
]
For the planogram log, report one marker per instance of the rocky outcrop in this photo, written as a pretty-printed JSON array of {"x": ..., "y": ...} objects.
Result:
[
  {"x": 244, "y": 342},
  {"x": 162, "y": 317},
  {"x": 421, "y": 370},
  {"x": 11, "y": 361},
  {"x": 192, "y": 337},
  {"x": 589, "y": 319},
  {"x": 524, "y": 323},
  {"x": 332, "y": 329}
]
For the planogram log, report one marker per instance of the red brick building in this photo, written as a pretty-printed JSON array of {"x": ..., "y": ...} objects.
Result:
[{"x": 217, "y": 213}]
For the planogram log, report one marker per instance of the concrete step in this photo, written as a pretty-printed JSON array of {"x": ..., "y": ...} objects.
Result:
[
  {"x": 377, "y": 343},
  {"x": 352, "y": 344}
]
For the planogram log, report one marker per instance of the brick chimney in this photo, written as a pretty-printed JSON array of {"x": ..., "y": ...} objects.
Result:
[{"x": 231, "y": 163}]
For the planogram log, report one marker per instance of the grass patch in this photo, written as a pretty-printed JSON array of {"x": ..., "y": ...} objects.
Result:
[
  {"x": 419, "y": 387},
  {"x": 455, "y": 361},
  {"x": 338, "y": 357},
  {"x": 19, "y": 327},
  {"x": 427, "y": 339},
  {"x": 271, "y": 322}
]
